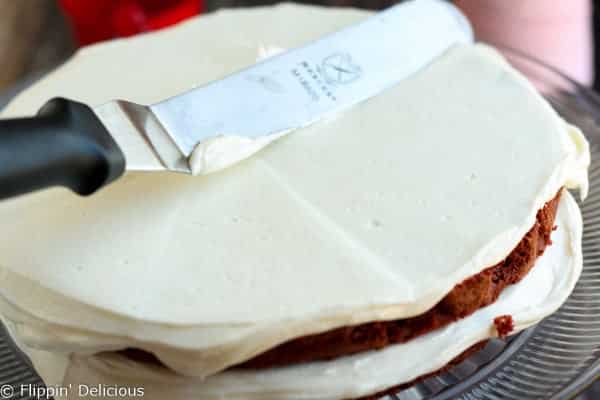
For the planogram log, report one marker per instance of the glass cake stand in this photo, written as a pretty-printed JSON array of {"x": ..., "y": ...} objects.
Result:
[{"x": 558, "y": 358}]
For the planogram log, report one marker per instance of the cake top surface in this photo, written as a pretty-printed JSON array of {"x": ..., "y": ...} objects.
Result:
[{"x": 373, "y": 214}]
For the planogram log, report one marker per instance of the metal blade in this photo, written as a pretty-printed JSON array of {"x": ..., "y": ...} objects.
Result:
[
  {"x": 146, "y": 144},
  {"x": 298, "y": 87},
  {"x": 293, "y": 89}
]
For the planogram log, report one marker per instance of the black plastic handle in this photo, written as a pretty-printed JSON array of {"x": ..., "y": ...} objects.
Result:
[{"x": 64, "y": 145}]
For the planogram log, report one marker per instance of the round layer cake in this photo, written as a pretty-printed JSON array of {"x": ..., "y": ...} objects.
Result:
[{"x": 341, "y": 261}]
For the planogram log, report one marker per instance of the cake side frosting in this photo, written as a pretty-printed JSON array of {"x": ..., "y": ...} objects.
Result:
[{"x": 543, "y": 290}]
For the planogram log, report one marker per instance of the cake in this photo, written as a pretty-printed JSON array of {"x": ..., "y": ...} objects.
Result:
[{"x": 341, "y": 261}]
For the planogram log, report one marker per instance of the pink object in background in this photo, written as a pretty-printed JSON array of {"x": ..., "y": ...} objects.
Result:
[{"x": 558, "y": 32}]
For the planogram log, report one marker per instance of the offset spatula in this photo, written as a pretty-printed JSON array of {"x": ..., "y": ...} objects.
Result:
[{"x": 70, "y": 144}]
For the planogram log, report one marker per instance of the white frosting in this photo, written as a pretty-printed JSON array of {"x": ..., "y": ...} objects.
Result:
[
  {"x": 225, "y": 150},
  {"x": 537, "y": 295},
  {"x": 373, "y": 215}
]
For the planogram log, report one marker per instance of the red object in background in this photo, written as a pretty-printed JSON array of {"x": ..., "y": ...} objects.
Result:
[{"x": 97, "y": 20}]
